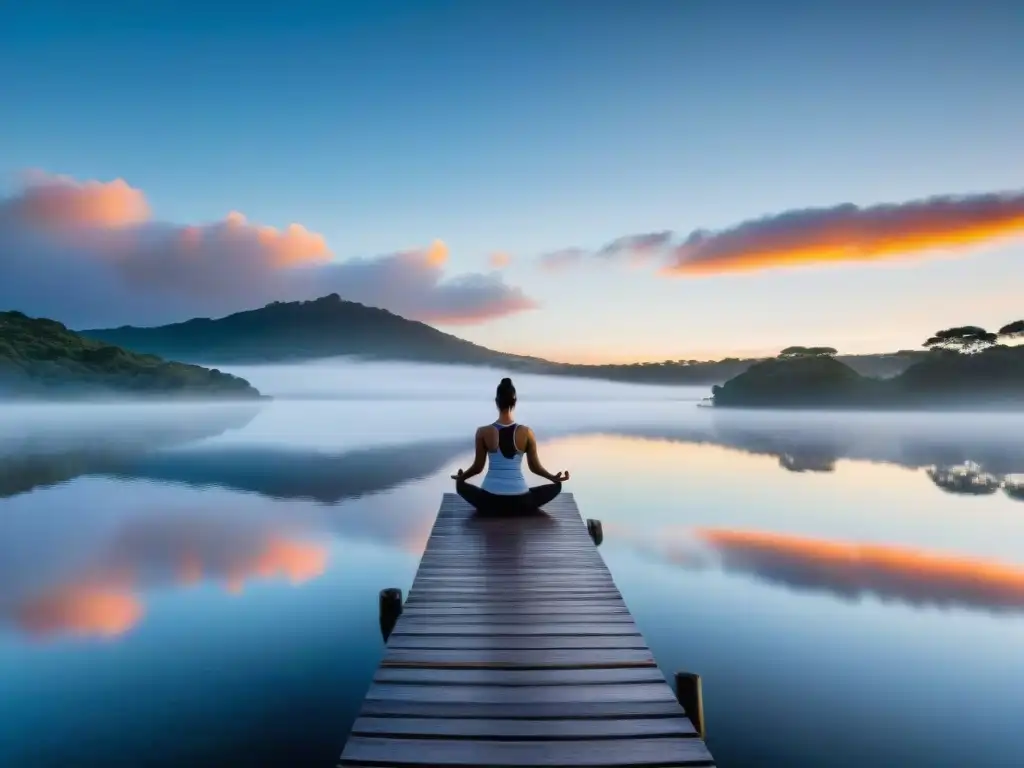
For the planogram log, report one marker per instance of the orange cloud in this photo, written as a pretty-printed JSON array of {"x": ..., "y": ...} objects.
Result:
[
  {"x": 499, "y": 260},
  {"x": 436, "y": 254},
  {"x": 848, "y": 233},
  {"x": 296, "y": 245},
  {"x": 77, "y": 610},
  {"x": 890, "y": 572},
  {"x": 59, "y": 202},
  {"x": 840, "y": 234}
]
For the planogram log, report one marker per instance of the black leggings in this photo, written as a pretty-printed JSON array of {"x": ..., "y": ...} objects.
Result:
[{"x": 486, "y": 502}]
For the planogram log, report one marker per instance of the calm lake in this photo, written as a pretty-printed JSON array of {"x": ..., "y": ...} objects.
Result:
[{"x": 197, "y": 584}]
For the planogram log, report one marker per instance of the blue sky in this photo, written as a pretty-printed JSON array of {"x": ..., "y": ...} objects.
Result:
[{"x": 533, "y": 126}]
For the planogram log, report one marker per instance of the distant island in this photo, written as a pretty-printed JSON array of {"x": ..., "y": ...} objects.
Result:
[
  {"x": 331, "y": 327},
  {"x": 41, "y": 358},
  {"x": 965, "y": 368}
]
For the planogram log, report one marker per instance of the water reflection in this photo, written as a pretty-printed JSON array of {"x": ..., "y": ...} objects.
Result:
[
  {"x": 333, "y": 476},
  {"x": 97, "y": 590},
  {"x": 847, "y": 570},
  {"x": 853, "y": 570},
  {"x": 815, "y": 442},
  {"x": 290, "y": 473},
  {"x": 967, "y": 478},
  {"x": 42, "y": 446}
]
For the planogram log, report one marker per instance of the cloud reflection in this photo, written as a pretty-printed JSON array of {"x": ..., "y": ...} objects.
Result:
[
  {"x": 81, "y": 611},
  {"x": 99, "y": 595},
  {"x": 852, "y": 570}
]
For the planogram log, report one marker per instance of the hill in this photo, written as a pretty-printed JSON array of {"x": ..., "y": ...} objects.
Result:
[
  {"x": 42, "y": 358},
  {"x": 331, "y": 327},
  {"x": 993, "y": 378},
  {"x": 301, "y": 330}
]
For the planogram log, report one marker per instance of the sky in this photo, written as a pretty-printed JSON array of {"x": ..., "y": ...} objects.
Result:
[{"x": 600, "y": 181}]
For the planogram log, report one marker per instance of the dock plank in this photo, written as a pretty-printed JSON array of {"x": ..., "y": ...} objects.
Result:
[
  {"x": 520, "y": 642},
  {"x": 515, "y": 648},
  {"x": 531, "y": 694},
  {"x": 481, "y": 728},
  {"x": 587, "y": 710},
  {"x": 523, "y": 658},
  {"x": 516, "y": 677},
  {"x": 551, "y": 630},
  {"x": 590, "y": 752}
]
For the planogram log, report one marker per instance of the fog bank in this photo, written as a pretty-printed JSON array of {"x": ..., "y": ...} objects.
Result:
[{"x": 351, "y": 379}]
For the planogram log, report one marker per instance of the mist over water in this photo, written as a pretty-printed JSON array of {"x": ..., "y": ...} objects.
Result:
[
  {"x": 345, "y": 378},
  {"x": 211, "y": 570}
]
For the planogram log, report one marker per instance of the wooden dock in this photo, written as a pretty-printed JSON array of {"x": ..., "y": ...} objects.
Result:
[{"x": 515, "y": 648}]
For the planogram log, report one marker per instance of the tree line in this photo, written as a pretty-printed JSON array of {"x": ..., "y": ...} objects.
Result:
[{"x": 966, "y": 339}]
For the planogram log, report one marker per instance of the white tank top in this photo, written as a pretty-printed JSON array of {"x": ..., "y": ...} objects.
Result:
[{"x": 505, "y": 474}]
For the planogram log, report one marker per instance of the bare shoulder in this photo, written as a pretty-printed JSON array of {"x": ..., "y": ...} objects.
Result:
[{"x": 524, "y": 437}]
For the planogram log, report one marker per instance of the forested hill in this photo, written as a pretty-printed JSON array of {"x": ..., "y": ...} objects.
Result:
[{"x": 42, "y": 358}]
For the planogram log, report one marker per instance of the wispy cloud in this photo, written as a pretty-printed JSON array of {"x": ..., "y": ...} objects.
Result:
[
  {"x": 637, "y": 249},
  {"x": 90, "y": 254},
  {"x": 839, "y": 234},
  {"x": 556, "y": 261},
  {"x": 499, "y": 260}
]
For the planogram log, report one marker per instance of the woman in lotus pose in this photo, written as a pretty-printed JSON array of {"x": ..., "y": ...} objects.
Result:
[{"x": 503, "y": 444}]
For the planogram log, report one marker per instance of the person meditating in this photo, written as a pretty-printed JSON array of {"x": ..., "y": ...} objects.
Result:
[{"x": 504, "y": 443}]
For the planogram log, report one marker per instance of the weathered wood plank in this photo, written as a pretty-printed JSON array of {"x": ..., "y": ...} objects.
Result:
[
  {"x": 509, "y": 590},
  {"x": 523, "y": 729},
  {"x": 516, "y": 642},
  {"x": 582, "y": 601},
  {"x": 483, "y": 576},
  {"x": 514, "y": 677},
  {"x": 596, "y": 752},
  {"x": 594, "y": 616},
  {"x": 535, "y": 694},
  {"x": 503, "y": 573},
  {"x": 413, "y": 627},
  {"x": 535, "y": 711},
  {"x": 577, "y": 658},
  {"x": 497, "y": 596},
  {"x": 455, "y": 611}
]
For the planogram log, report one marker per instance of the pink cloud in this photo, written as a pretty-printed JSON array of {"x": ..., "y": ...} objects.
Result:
[{"x": 89, "y": 254}]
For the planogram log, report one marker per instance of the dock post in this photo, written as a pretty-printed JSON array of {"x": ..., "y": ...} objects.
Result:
[
  {"x": 595, "y": 531},
  {"x": 390, "y": 610},
  {"x": 691, "y": 697}
]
